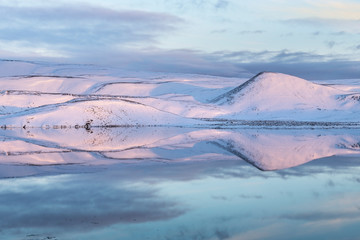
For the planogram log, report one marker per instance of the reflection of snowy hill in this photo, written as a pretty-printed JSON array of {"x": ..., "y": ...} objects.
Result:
[
  {"x": 265, "y": 149},
  {"x": 272, "y": 150},
  {"x": 53, "y": 95}
]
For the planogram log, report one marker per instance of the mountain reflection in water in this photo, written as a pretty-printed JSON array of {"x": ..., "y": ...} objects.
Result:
[
  {"x": 178, "y": 183},
  {"x": 265, "y": 149}
]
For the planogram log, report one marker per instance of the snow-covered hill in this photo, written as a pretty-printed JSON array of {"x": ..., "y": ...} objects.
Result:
[
  {"x": 279, "y": 96},
  {"x": 89, "y": 113},
  {"x": 47, "y": 95},
  {"x": 273, "y": 91}
]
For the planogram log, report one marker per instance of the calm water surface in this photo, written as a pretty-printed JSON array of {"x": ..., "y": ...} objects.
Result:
[{"x": 214, "y": 198}]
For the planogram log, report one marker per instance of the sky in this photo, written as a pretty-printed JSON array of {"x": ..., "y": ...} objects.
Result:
[{"x": 311, "y": 39}]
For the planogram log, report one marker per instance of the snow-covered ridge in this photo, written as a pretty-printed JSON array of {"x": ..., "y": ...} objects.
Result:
[{"x": 47, "y": 95}]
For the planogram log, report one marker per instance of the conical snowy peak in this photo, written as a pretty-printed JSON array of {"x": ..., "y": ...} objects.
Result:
[
  {"x": 229, "y": 96},
  {"x": 275, "y": 85},
  {"x": 269, "y": 91}
]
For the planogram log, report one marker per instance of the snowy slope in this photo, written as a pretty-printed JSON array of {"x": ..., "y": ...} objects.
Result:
[
  {"x": 278, "y": 91},
  {"x": 94, "y": 113},
  {"x": 280, "y": 96},
  {"x": 52, "y": 95}
]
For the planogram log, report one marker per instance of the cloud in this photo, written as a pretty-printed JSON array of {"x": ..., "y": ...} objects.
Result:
[
  {"x": 291, "y": 57},
  {"x": 198, "y": 4},
  {"x": 331, "y": 69},
  {"x": 222, "y": 63},
  {"x": 307, "y": 65},
  {"x": 284, "y": 55},
  {"x": 220, "y": 4},
  {"x": 250, "y": 196},
  {"x": 220, "y": 31},
  {"x": 337, "y": 33},
  {"x": 69, "y": 29},
  {"x": 222, "y": 198},
  {"x": 158, "y": 60},
  {"x": 343, "y": 25},
  {"x": 84, "y": 33},
  {"x": 340, "y": 33},
  {"x": 85, "y": 13},
  {"x": 330, "y": 44},
  {"x": 244, "y": 55},
  {"x": 322, "y": 215},
  {"x": 251, "y": 32}
]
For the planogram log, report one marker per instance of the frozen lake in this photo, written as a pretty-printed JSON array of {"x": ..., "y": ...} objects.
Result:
[{"x": 179, "y": 183}]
